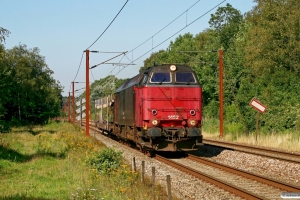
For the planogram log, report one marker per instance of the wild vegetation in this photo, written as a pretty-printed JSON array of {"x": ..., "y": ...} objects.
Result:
[
  {"x": 58, "y": 161},
  {"x": 29, "y": 95},
  {"x": 261, "y": 60}
]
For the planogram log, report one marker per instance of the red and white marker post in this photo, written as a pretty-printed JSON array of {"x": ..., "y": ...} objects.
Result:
[{"x": 260, "y": 109}]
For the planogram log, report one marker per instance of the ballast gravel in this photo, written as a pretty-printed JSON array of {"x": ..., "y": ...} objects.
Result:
[{"x": 187, "y": 187}]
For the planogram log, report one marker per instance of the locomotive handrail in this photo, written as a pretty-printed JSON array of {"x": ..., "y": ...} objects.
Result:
[
  {"x": 157, "y": 99},
  {"x": 187, "y": 98},
  {"x": 171, "y": 109},
  {"x": 170, "y": 98}
]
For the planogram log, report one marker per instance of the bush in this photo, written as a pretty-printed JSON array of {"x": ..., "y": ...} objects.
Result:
[{"x": 106, "y": 160}]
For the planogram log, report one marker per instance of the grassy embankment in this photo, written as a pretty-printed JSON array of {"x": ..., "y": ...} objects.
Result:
[
  {"x": 233, "y": 132},
  {"x": 53, "y": 162}
]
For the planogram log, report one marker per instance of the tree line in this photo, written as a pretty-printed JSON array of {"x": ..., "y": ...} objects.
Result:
[
  {"x": 261, "y": 60},
  {"x": 29, "y": 94}
]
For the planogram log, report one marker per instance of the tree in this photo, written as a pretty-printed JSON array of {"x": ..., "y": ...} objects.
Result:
[
  {"x": 31, "y": 94},
  {"x": 274, "y": 39},
  {"x": 226, "y": 22},
  {"x": 172, "y": 54},
  {"x": 3, "y": 33},
  {"x": 271, "y": 59}
]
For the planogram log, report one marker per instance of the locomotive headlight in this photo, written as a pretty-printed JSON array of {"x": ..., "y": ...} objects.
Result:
[
  {"x": 192, "y": 112},
  {"x": 154, "y": 112},
  {"x": 173, "y": 68},
  {"x": 192, "y": 122},
  {"x": 154, "y": 122}
]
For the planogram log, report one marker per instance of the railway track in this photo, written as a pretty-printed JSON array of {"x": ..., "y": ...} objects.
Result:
[
  {"x": 238, "y": 182},
  {"x": 260, "y": 151},
  {"x": 208, "y": 178}
]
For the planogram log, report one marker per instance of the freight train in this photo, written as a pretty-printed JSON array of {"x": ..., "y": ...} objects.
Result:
[{"x": 160, "y": 109}]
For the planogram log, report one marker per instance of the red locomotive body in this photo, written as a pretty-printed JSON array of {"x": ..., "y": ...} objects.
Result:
[{"x": 160, "y": 109}]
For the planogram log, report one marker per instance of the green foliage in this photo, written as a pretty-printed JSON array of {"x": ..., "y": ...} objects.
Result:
[
  {"x": 3, "y": 33},
  {"x": 4, "y": 127},
  {"x": 31, "y": 95},
  {"x": 106, "y": 160},
  {"x": 226, "y": 22},
  {"x": 173, "y": 54},
  {"x": 261, "y": 60},
  {"x": 274, "y": 40}
]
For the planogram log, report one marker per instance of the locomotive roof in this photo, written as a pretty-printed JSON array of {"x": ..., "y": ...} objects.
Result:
[
  {"x": 131, "y": 82},
  {"x": 166, "y": 67}
]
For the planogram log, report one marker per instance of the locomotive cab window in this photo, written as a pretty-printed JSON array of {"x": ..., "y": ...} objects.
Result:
[
  {"x": 143, "y": 80},
  {"x": 160, "y": 77},
  {"x": 185, "y": 77}
]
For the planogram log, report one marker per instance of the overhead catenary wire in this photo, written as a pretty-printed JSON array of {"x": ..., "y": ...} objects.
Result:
[
  {"x": 77, "y": 70},
  {"x": 125, "y": 55},
  {"x": 92, "y": 75},
  {"x": 98, "y": 39},
  {"x": 108, "y": 60},
  {"x": 186, "y": 25},
  {"x": 108, "y": 25},
  {"x": 180, "y": 30},
  {"x": 164, "y": 27},
  {"x": 132, "y": 61},
  {"x": 174, "y": 34}
]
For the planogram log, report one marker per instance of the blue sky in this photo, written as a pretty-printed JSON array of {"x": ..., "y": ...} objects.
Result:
[{"x": 63, "y": 29}]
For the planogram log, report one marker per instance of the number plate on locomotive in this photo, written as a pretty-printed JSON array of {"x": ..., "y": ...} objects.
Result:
[{"x": 173, "y": 116}]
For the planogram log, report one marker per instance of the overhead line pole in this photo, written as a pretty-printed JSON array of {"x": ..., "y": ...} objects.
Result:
[
  {"x": 87, "y": 94},
  {"x": 221, "y": 91},
  {"x": 69, "y": 108},
  {"x": 73, "y": 103}
]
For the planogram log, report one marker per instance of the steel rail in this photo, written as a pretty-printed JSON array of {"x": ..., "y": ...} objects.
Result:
[
  {"x": 226, "y": 186},
  {"x": 295, "y": 158},
  {"x": 274, "y": 183}
]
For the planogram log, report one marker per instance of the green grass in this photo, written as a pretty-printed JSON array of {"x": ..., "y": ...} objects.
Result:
[
  {"x": 53, "y": 162},
  {"x": 234, "y": 132}
]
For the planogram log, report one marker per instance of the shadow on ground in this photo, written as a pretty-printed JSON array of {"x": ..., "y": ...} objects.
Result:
[
  {"x": 14, "y": 156},
  {"x": 21, "y": 197}
]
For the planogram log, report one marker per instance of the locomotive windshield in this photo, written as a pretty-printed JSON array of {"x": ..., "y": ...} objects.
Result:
[
  {"x": 185, "y": 77},
  {"x": 161, "y": 77}
]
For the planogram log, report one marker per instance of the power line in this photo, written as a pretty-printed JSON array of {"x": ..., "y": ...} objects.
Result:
[
  {"x": 175, "y": 33},
  {"x": 165, "y": 39},
  {"x": 165, "y": 26},
  {"x": 77, "y": 70},
  {"x": 108, "y": 25},
  {"x": 92, "y": 74},
  {"x": 180, "y": 30},
  {"x": 78, "y": 67}
]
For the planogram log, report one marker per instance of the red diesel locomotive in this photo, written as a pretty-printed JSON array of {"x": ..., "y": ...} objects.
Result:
[{"x": 160, "y": 109}]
